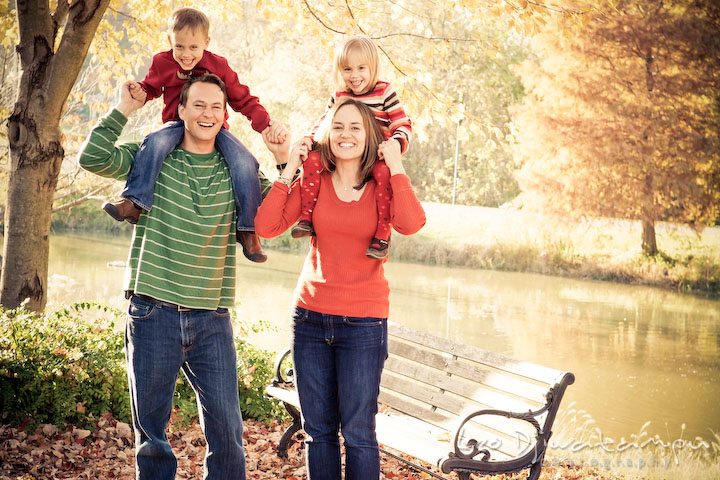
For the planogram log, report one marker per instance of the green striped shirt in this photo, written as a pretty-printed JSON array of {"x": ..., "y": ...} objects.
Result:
[{"x": 183, "y": 250}]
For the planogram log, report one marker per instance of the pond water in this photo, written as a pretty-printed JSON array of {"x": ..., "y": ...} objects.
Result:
[{"x": 640, "y": 354}]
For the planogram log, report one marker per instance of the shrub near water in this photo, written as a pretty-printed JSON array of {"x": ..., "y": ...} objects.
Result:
[
  {"x": 61, "y": 368},
  {"x": 68, "y": 367}
]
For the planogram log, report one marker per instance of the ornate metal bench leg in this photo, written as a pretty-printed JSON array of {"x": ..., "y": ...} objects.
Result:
[
  {"x": 463, "y": 475},
  {"x": 535, "y": 470},
  {"x": 287, "y": 436}
]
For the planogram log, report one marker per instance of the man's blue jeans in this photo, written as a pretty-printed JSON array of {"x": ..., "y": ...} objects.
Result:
[
  {"x": 338, "y": 364},
  {"x": 159, "y": 342},
  {"x": 140, "y": 185}
]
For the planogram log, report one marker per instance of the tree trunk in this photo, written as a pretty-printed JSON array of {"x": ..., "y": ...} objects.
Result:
[
  {"x": 49, "y": 72},
  {"x": 27, "y": 220},
  {"x": 649, "y": 242}
]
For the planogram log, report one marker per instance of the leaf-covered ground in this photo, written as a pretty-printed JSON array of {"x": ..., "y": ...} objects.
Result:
[{"x": 107, "y": 453}]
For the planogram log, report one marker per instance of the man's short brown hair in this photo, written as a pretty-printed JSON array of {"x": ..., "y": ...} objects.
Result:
[
  {"x": 205, "y": 78},
  {"x": 190, "y": 18}
]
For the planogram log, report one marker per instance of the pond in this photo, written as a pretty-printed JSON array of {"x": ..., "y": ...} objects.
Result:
[{"x": 640, "y": 354}]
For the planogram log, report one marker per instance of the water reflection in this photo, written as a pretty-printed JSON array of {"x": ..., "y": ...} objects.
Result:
[{"x": 638, "y": 353}]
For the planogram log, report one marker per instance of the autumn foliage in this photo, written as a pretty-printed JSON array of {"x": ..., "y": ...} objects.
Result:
[{"x": 621, "y": 117}]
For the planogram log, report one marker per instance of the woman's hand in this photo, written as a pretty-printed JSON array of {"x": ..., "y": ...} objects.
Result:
[
  {"x": 281, "y": 150},
  {"x": 389, "y": 150}
]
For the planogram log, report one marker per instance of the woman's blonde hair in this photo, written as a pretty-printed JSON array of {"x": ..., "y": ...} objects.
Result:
[
  {"x": 373, "y": 138},
  {"x": 368, "y": 52}
]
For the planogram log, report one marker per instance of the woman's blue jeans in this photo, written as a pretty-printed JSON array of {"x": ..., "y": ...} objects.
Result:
[
  {"x": 161, "y": 341},
  {"x": 140, "y": 184},
  {"x": 338, "y": 364}
]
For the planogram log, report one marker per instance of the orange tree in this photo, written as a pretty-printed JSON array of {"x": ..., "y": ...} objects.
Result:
[{"x": 622, "y": 118}]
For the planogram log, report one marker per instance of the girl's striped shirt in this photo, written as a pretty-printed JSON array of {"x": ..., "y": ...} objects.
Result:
[{"x": 388, "y": 111}]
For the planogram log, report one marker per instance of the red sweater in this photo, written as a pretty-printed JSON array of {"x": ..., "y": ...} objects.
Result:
[
  {"x": 337, "y": 278},
  {"x": 166, "y": 78}
]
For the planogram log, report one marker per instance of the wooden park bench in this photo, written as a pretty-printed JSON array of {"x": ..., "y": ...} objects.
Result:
[{"x": 454, "y": 406}]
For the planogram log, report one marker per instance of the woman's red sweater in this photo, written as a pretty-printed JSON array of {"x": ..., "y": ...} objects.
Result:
[{"x": 337, "y": 278}]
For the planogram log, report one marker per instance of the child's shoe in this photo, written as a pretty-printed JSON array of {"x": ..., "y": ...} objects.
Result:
[
  {"x": 125, "y": 210},
  {"x": 378, "y": 249},
  {"x": 251, "y": 246},
  {"x": 304, "y": 228}
]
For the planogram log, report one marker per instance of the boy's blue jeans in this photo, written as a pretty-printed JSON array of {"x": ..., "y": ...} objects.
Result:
[
  {"x": 338, "y": 364},
  {"x": 161, "y": 341},
  {"x": 140, "y": 185}
]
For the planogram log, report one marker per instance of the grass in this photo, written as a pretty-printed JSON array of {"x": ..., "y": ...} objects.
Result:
[
  {"x": 641, "y": 456},
  {"x": 601, "y": 249}
]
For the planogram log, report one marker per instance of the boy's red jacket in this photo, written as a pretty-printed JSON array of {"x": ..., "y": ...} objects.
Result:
[{"x": 166, "y": 78}]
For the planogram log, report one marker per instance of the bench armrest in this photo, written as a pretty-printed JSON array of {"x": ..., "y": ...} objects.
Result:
[{"x": 284, "y": 371}]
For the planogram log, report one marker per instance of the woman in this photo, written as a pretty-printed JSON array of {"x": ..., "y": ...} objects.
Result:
[{"x": 340, "y": 320}]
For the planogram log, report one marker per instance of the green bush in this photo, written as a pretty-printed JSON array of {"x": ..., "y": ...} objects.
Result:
[
  {"x": 68, "y": 367},
  {"x": 60, "y": 367}
]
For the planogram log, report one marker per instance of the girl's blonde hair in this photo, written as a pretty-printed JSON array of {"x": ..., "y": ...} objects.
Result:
[
  {"x": 373, "y": 138},
  {"x": 369, "y": 53}
]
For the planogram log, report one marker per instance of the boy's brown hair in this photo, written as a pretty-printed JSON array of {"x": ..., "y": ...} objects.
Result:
[{"x": 190, "y": 18}]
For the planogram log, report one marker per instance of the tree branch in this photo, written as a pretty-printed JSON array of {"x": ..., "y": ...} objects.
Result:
[
  {"x": 89, "y": 196},
  {"x": 312, "y": 12},
  {"x": 61, "y": 12}
]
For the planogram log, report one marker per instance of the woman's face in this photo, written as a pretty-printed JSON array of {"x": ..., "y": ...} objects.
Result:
[{"x": 347, "y": 134}]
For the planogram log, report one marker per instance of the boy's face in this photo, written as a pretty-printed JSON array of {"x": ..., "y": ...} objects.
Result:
[{"x": 188, "y": 47}]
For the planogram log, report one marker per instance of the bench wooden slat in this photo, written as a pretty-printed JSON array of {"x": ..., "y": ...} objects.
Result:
[
  {"x": 476, "y": 392},
  {"x": 525, "y": 369},
  {"x": 432, "y": 385},
  {"x": 474, "y": 372},
  {"x": 488, "y": 428}
]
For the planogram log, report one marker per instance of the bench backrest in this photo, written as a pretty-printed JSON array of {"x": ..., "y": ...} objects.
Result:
[{"x": 441, "y": 382}]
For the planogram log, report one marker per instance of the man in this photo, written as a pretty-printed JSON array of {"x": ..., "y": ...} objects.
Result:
[{"x": 181, "y": 282}]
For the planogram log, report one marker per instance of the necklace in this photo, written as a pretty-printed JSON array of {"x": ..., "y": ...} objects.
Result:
[{"x": 339, "y": 184}]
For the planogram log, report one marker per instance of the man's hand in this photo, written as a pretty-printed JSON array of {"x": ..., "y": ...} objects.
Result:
[
  {"x": 127, "y": 103},
  {"x": 137, "y": 92}
]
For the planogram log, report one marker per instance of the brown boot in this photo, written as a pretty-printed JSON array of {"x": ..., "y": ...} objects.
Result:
[
  {"x": 251, "y": 246},
  {"x": 378, "y": 249},
  {"x": 125, "y": 209},
  {"x": 304, "y": 228}
]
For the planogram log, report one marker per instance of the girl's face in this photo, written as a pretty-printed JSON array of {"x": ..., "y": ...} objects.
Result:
[
  {"x": 356, "y": 73},
  {"x": 347, "y": 134}
]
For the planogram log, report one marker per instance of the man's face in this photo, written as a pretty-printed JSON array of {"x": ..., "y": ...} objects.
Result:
[
  {"x": 188, "y": 47},
  {"x": 203, "y": 114}
]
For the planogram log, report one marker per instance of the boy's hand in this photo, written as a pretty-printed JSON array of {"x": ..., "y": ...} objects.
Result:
[
  {"x": 137, "y": 92},
  {"x": 280, "y": 150},
  {"x": 276, "y": 132}
]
